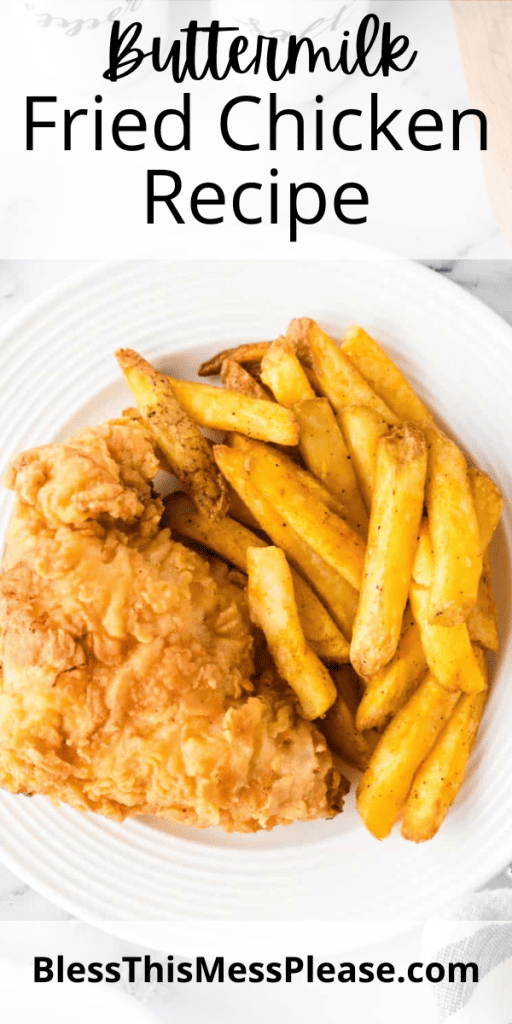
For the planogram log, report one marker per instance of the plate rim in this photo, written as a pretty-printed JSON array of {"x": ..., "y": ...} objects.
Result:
[{"x": 66, "y": 289}]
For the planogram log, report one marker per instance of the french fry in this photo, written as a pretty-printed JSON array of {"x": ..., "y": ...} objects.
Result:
[
  {"x": 488, "y": 504},
  {"x": 441, "y": 775},
  {"x": 313, "y": 379},
  {"x": 331, "y": 537},
  {"x": 400, "y": 471},
  {"x": 482, "y": 621},
  {"x": 482, "y": 617},
  {"x": 326, "y": 455},
  {"x": 273, "y": 608},
  {"x": 297, "y": 333},
  {"x": 362, "y": 428},
  {"x": 349, "y": 684},
  {"x": 218, "y": 409},
  {"x": 186, "y": 451},
  {"x": 387, "y": 691},
  {"x": 339, "y": 726},
  {"x": 384, "y": 376},
  {"x": 226, "y": 538},
  {"x": 339, "y": 380},
  {"x": 454, "y": 533},
  {"x": 448, "y": 650},
  {"x": 488, "y": 507},
  {"x": 423, "y": 566},
  {"x": 320, "y": 630},
  {"x": 283, "y": 374},
  {"x": 239, "y": 510},
  {"x": 316, "y": 489},
  {"x": 408, "y": 739},
  {"x": 336, "y": 594},
  {"x": 231, "y": 541},
  {"x": 253, "y": 352},
  {"x": 236, "y": 378},
  {"x": 255, "y": 371}
]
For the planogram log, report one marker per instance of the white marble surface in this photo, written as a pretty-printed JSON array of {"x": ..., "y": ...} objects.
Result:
[{"x": 84, "y": 204}]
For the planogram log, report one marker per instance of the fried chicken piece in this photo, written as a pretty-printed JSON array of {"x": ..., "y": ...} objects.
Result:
[{"x": 128, "y": 671}]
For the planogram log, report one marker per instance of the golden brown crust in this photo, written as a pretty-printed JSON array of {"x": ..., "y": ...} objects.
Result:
[
  {"x": 129, "y": 684},
  {"x": 408, "y": 442},
  {"x": 250, "y": 353},
  {"x": 184, "y": 449},
  {"x": 236, "y": 378},
  {"x": 297, "y": 333}
]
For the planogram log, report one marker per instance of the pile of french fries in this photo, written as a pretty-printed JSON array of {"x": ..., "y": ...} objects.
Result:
[{"x": 364, "y": 536}]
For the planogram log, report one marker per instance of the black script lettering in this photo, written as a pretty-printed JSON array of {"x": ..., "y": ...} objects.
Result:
[{"x": 124, "y": 57}]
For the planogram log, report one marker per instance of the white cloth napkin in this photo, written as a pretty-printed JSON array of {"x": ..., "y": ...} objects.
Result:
[{"x": 477, "y": 930}]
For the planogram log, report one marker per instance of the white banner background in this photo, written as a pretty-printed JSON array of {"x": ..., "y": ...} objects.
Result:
[{"x": 83, "y": 203}]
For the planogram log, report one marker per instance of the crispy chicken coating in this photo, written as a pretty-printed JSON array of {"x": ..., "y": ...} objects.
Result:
[{"x": 129, "y": 682}]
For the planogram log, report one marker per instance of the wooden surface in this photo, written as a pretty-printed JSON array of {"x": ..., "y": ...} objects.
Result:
[{"x": 484, "y": 29}]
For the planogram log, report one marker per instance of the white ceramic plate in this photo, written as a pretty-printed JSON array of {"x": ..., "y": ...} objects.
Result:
[{"x": 58, "y": 373}]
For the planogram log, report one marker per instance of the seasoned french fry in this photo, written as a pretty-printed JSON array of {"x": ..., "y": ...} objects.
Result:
[
  {"x": 482, "y": 621},
  {"x": 331, "y": 537},
  {"x": 387, "y": 691},
  {"x": 454, "y": 532},
  {"x": 312, "y": 378},
  {"x": 441, "y": 775},
  {"x": 424, "y": 558},
  {"x": 186, "y": 451},
  {"x": 339, "y": 380},
  {"x": 255, "y": 371},
  {"x": 325, "y": 454},
  {"x": 488, "y": 504},
  {"x": 297, "y": 333},
  {"x": 349, "y": 684},
  {"x": 236, "y": 378},
  {"x": 253, "y": 352},
  {"x": 316, "y": 489},
  {"x": 448, "y": 650},
  {"x": 340, "y": 729},
  {"x": 337, "y": 595},
  {"x": 362, "y": 428},
  {"x": 226, "y": 538},
  {"x": 231, "y": 541},
  {"x": 320, "y": 630},
  {"x": 283, "y": 374},
  {"x": 218, "y": 409},
  {"x": 273, "y": 608},
  {"x": 384, "y": 376},
  {"x": 482, "y": 618},
  {"x": 488, "y": 507},
  {"x": 400, "y": 471},
  {"x": 408, "y": 739},
  {"x": 239, "y": 510}
]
